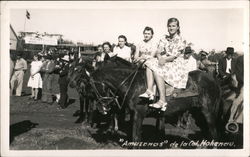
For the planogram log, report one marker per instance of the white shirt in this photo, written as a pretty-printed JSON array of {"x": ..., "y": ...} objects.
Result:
[
  {"x": 124, "y": 52},
  {"x": 228, "y": 65},
  {"x": 35, "y": 66}
]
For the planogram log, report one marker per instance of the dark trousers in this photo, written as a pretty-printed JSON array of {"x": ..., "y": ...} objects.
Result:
[
  {"x": 47, "y": 88},
  {"x": 63, "y": 85}
]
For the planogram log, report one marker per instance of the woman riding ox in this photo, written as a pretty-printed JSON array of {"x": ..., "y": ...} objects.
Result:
[{"x": 169, "y": 66}]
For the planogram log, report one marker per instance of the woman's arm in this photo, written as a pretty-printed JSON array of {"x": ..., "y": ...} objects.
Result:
[
  {"x": 163, "y": 60},
  {"x": 136, "y": 56}
]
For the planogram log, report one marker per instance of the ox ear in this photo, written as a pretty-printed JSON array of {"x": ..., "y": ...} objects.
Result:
[{"x": 87, "y": 73}]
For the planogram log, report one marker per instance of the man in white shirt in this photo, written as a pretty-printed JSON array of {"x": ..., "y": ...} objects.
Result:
[
  {"x": 121, "y": 50},
  {"x": 19, "y": 69},
  {"x": 225, "y": 65}
]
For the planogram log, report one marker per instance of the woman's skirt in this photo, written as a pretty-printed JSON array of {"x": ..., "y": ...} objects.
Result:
[
  {"x": 174, "y": 73},
  {"x": 35, "y": 81}
]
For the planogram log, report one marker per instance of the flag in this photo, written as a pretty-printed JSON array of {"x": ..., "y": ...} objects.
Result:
[{"x": 27, "y": 14}]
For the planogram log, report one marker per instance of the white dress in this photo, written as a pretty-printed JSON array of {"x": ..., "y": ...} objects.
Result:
[{"x": 36, "y": 80}]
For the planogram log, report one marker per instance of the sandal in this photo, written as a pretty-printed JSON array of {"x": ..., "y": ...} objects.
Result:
[
  {"x": 159, "y": 105},
  {"x": 148, "y": 94}
]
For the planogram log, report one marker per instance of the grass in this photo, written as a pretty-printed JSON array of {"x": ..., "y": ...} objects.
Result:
[{"x": 58, "y": 138}]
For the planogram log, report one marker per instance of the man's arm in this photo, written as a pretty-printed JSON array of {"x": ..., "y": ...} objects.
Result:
[
  {"x": 51, "y": 67},
  {"x": 64, "y": 71}
]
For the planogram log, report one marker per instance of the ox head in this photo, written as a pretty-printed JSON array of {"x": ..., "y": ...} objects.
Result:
[{"x": 78, "y": 76}]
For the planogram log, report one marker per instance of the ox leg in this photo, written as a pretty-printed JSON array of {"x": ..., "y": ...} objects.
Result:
[
  {"x": 85, "y": 110},
  {"x": 135, "y": 134},
  {"x": 160, "y": 124},
  {"x": 90, "y": 112},
  {"x": 111, "y": 123},
  {"x": 88, "y": 116},
  {"x": 211, "y": 124},
  {"x": 138, "y": 117},
  {"x": 81, "y": 117}
]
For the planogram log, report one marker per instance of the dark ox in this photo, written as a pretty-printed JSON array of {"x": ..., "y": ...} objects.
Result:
[
  {"x": 113, "y": 73},
  {"x": 79, "y": 80}
]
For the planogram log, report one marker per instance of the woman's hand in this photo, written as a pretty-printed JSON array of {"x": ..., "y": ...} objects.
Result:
[
  {"x": 139, "y": 59},
  {"x": 161, "y": 61}
]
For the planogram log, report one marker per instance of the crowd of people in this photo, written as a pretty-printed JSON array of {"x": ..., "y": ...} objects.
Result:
[
  {"x": 43, "y": 70},
  {"x": 167, "y": 63}
]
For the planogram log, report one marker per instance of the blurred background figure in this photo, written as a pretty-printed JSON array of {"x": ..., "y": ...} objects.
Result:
[
  {"x": 63, "y": 82},
  {"x": 35, "y": 80},
  {"x": 19, "y": 70},
  {"x": 12, "y": 64},
  {"x": 48, "y": 69},
  {"x": 225, "y": 66},
  {"x": 205, "y": 64}
]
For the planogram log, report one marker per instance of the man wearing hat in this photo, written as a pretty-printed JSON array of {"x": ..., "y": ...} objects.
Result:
[
  {"x": 19, "y": 69},
  {"x": 205, "y": 64},
  {"x": 63, "y": 82},
  {"x": 225, "y": 65},
  {"x": 48, "y": 70}
]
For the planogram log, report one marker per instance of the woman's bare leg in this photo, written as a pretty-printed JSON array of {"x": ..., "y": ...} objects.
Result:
[
  {"x": 35, "y": 93},
  {"x": 32, "y": 93},
  {"x": 161, "y": 87},
  {"x": 150, "y": 79}
]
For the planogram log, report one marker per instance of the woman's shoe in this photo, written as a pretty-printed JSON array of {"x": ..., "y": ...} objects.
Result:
[
  {"x": 144, "y": 95},
  {"x": 148, "y": 94},
  {"x": 159, "y": 105}
]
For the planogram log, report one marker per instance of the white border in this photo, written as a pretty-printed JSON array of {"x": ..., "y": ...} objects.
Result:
[{"x": 5, "y": 8}]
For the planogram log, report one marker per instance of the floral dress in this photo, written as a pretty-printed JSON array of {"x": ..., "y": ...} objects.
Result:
[{"x": 174, "y": 73}]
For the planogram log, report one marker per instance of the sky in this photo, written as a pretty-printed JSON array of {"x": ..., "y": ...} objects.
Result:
[{"x": 207, "y": 29}]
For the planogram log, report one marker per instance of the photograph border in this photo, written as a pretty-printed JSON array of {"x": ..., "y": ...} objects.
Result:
[{"x": 6, "y": 6}]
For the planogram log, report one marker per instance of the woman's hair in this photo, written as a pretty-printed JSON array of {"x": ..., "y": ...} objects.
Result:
[
  {"x": 173, "y": 19},
  {"x": 148, "y": 29},
  {"x": 38, "y": 56},
  {"x": 124, "y": 37},
  {"x": 107, "y": 43}
]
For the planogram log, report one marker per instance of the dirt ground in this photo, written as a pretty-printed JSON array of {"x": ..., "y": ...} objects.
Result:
[{"x": 39, "y": 126}]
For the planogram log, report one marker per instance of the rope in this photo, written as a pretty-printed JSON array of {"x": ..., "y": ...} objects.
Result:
[{"x": 114, "y": 97}]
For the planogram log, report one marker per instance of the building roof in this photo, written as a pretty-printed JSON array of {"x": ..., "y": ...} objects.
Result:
[
  {"x": 88, "y": 52},
  {"x": 69, "y": 45}
]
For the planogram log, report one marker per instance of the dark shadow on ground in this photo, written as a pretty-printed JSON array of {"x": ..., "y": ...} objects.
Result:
[{"x": 20, "y": 128}]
